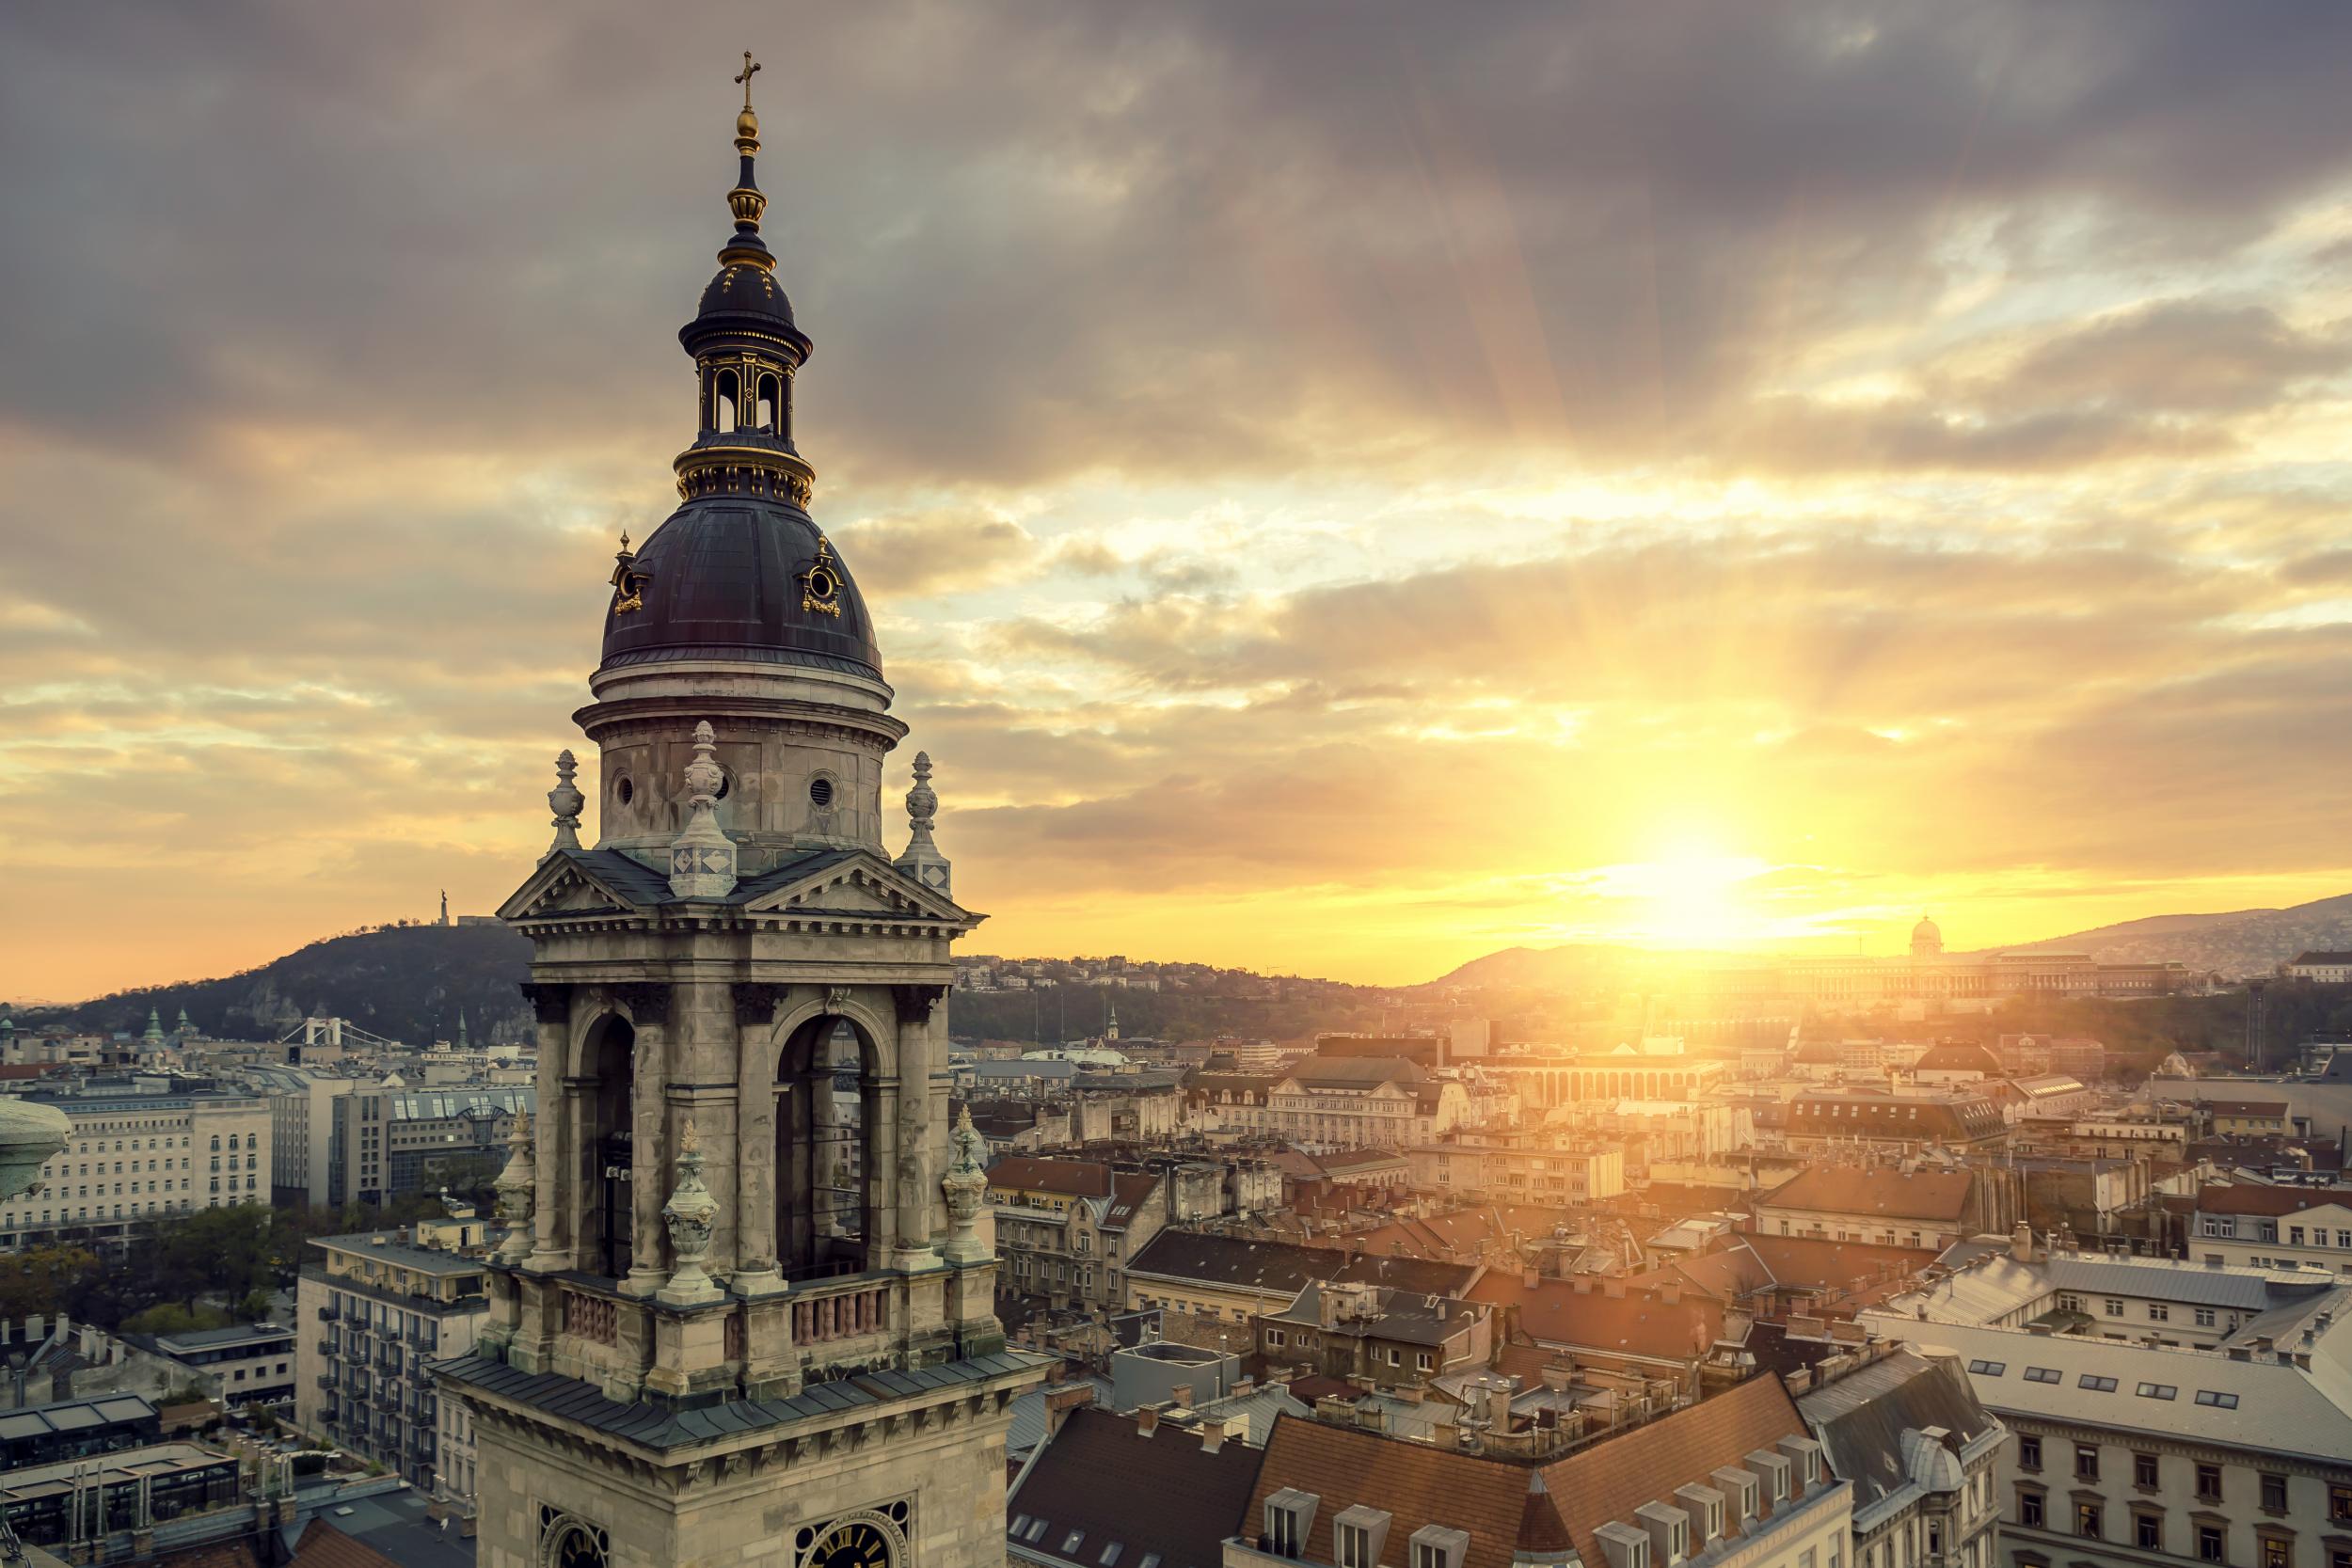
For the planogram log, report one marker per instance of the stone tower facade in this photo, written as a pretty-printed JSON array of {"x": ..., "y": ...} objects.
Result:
[{"x": 741, "y": 1314}]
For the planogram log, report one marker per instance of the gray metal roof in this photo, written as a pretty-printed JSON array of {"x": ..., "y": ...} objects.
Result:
[
  {"x": 440, "y": 1104},
  {"x": 2244, "y": 1289},
  {"x": 656, "y": 1427}
]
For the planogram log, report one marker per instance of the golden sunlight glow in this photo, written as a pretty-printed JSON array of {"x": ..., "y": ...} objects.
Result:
[{"x": 1690, "y": 896}]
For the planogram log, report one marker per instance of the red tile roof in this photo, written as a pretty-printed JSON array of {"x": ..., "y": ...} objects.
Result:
[
  {"x": 1641, "y": 1322},
  {"x": 1102, "y": 1478},
  {"x": 2248, "y": 1198},
  {"x": 1076, "y": 1178},
  {"x": 1926, "y": 1194},
  {"x": 1129, "y": 1193},
  {"x": 325, "y": 1546},
  {"x": 1509, "y": 1507},
  {"x": 1613, "y": 1478}
]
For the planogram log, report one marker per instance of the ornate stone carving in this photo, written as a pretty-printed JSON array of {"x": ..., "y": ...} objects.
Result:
[
  {"x": 702, "y": 858},
  {"x": 922, "y": 860},
  {"x": 565, "y": 801},
  {"x": 755, "y": 1002},
  {"x": 689, "y": 1215},
  {"x": 516, "y": 1187},
  {"x": 647, "y": 1000},
  {"x": 550, "y": 1004},
  {"x": 836, "y": 998},
  {"x": 966, "y": 1187},
  {"x": 916, "y": 1003}
]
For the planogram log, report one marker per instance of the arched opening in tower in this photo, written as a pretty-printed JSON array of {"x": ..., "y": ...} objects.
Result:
[
  {"x": 828, "y": 1107},
  {"x": 610, "y": 1054}
]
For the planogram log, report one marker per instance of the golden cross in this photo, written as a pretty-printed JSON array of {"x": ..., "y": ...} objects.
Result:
[{"x": 751, "y": 68}]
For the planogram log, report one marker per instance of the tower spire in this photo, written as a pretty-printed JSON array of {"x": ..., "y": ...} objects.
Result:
[{"x": 745, "y": 202}]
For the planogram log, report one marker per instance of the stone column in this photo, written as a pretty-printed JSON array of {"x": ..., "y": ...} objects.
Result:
[
  {"x": 757, "y": 1270},
  {"x": 917, "y": 1007},
  {"x": 877, "y": 1180},
  {"x": 648, "y": 1003},
  {"x": 552, "y": 1234}
]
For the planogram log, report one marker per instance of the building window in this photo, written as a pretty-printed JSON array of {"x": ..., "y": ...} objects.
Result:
[
  {"x": 2339, "y": 1504},
  {"x": 2220, "y": 1402},
  {"x": 2274, "y": 1494},
  {"x": 2144, "y": 1470},
  {"x": 2208, "y": 1483},
  {"x": 2086, "y": 1462},
  {"x": 2086, "y": 1521},
  {"x": 2277, "y": 1552},
  {"x": 2148, "y": 1531},
  {"x": 2159, "y": 1313},
  {"x": 2209, "y": 1543},
  {"x": 2028, "y": 1452},
  {"x": 2204, "y": 1317},
  {"x": 2029, "y": 1508}
]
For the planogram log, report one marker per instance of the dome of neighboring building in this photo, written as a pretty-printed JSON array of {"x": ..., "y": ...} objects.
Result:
[{"x": 1926, "y": 936}]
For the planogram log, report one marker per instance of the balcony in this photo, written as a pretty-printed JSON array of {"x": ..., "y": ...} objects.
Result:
[{"x": 327, "y": 1381}]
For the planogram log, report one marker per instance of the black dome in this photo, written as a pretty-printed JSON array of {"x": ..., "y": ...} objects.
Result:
[
  {"x": 741, "y": 289},
  {"x": 726, "y": 577}
]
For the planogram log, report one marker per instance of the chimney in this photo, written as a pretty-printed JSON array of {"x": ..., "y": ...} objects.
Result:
[
  {"x": 1530, "y": 1278},
  {"x": 1584, "y": 1285},
  {"x": 1180, "y": 1396},
  {"x": 1147, "y": 1420},
  {"x": 2021, "y": 1242},
  {"x": 1061, "y": 1400},
  {"x": 1212, "y": 1436}
]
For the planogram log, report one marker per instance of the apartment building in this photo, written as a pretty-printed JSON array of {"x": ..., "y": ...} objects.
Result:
[
  {"x": 1066, "y": 1230},
  {"x": 1923, "y": 1454},
  {"x": 2273, "y": 1227},
  {"x": 1520, "y": 1167},
  {"x": 1390, "y": 1338},
  {"x": 374, "y": 1311},
  {"x": 387, "y": 1141},
  {"x": 1734, "y": 1483},
  {"x": 2237, "y": 1451},
  {"x": 134, "y": 1155}
]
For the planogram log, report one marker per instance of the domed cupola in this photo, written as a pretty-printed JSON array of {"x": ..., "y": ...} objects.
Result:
[
  {"x": 737, "y": 611},
  {"x": 740, "y": 572}
]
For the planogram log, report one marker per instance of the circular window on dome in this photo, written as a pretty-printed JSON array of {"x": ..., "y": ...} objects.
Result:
[
  {"x": 820, "y": 793},
  {"x": 624, "y": 791}
]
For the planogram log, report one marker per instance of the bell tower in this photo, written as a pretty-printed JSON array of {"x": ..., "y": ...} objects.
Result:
[{"x": 742, "y": 1312}]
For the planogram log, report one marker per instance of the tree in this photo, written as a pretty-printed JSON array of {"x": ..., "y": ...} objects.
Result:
[
  {"x": 172, "y": 1317},
  {"x": 45, "y": 1279}
]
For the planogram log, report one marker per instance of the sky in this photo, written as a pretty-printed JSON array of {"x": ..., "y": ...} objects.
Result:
[{"x": 1344, "y": 487}]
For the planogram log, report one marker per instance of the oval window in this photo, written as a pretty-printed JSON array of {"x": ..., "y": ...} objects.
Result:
[
  {"x": 820, "y": 793},
  {"x": 624, "y": 792}
]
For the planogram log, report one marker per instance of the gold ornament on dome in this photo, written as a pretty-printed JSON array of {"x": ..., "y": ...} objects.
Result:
[
  {"x": 821, "y": 582},
  {"x": 629, "y": 583}
]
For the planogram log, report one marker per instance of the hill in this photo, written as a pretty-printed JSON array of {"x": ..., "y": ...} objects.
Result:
[
  {"x": 2244, "y": 942},
  {"x": 2240, "y": 943},
  {"x": 408, "y": 983}
]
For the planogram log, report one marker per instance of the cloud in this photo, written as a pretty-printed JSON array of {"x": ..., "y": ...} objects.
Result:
[{"x": 1340, "y": 460}]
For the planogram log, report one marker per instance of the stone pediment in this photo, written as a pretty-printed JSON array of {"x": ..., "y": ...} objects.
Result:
[
  {"x": 567, "y": 884},
  {"x": 856, "y": 885}
]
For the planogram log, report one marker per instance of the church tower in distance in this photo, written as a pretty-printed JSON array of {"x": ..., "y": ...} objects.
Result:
[{"x": 741, "y": 1315}]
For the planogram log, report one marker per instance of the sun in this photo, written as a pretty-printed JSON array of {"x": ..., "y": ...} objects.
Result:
[{"x": 1691, "y": 896}]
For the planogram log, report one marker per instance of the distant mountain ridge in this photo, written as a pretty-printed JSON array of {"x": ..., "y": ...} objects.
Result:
[
  {"x": 2234, "y": 944},
  {"x": 408, "y": 983},
  {"x": 2241, "y": 942}
]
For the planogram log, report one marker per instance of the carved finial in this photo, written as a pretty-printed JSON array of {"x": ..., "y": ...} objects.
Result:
[
  {"x": 565, "y": 801},
  {"x": 922, "y": 861},
  {"x": 702, "y": 859},
  {"x": 690, "y": 1143}
]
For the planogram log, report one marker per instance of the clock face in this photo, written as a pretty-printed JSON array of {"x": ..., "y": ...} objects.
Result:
[{"x": 857, "y": 1544}]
